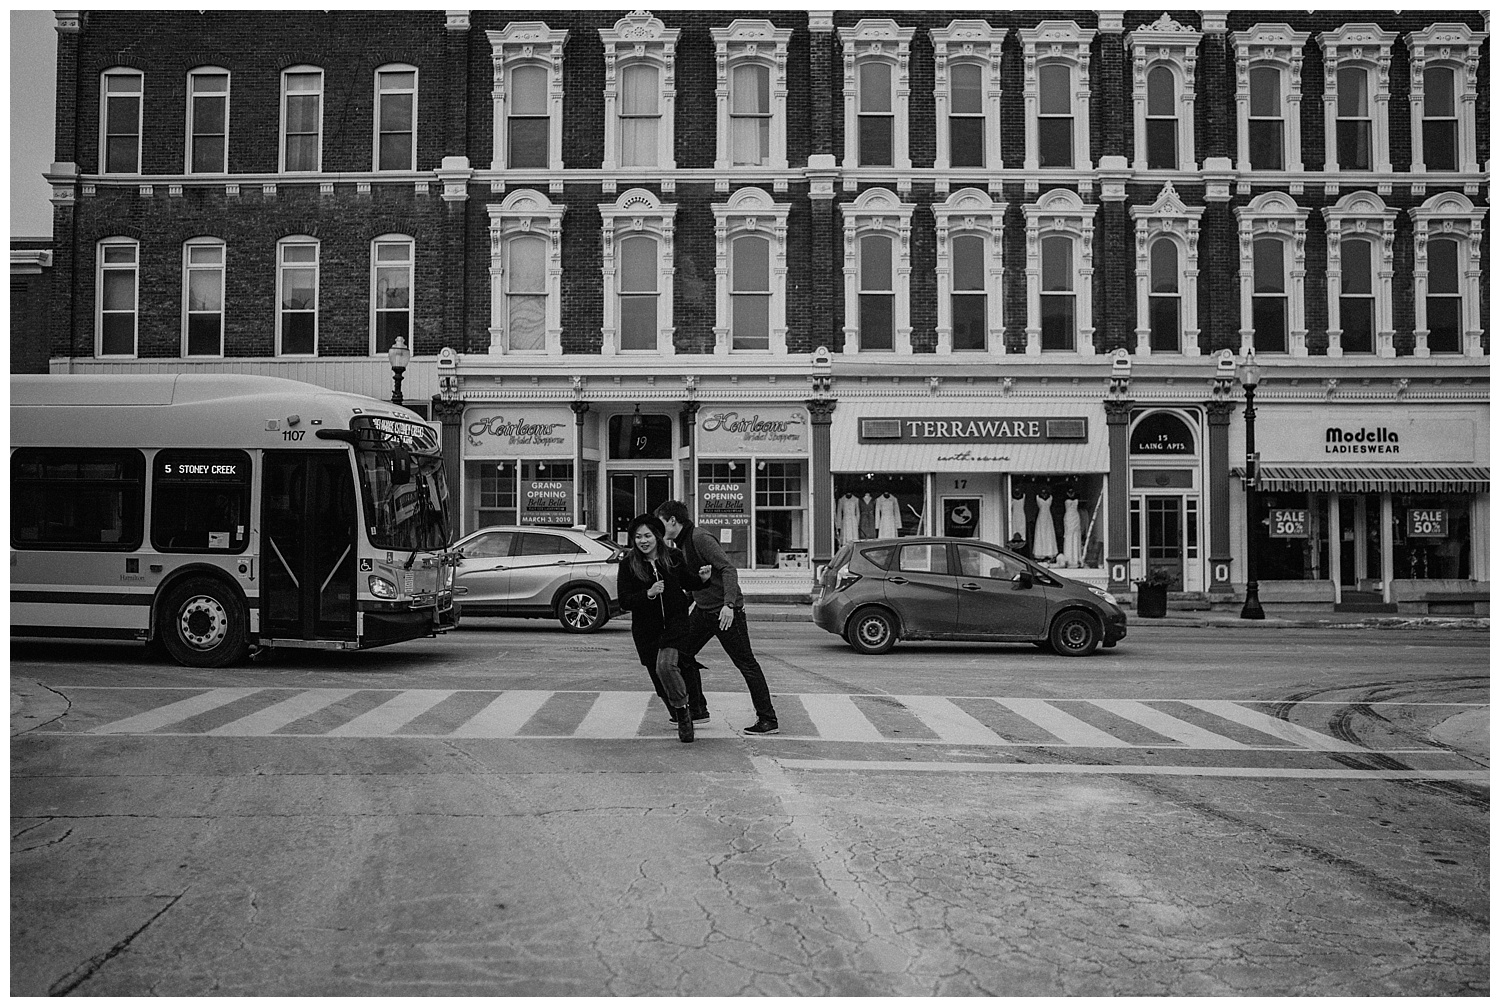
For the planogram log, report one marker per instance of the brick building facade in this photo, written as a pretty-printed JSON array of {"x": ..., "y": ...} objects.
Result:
[{"x": 794, "y": 264}]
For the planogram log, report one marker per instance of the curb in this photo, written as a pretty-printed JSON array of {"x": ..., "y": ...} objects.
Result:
[{"x": 756, "y": 611}]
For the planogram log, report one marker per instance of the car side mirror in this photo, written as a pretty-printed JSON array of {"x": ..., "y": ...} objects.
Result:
[{"x": 1022, "y": 580}]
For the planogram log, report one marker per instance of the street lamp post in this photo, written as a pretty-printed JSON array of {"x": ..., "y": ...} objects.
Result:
[
  {"x": 399, "y": 357},
  {"x": 1249, "y": 376}
]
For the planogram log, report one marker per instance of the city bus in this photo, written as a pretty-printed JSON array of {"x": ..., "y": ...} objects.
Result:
[{"x": 221, "y": 513}]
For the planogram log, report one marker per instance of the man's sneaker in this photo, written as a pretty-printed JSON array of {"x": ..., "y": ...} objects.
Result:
[
  {"x": 763, "y": 726},
  {"x": 701, "y": 714},
  {"x": 684, "y": 728}
]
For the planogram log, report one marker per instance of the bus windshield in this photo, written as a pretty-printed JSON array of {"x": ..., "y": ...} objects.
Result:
[{"x": 402, "y": 480}]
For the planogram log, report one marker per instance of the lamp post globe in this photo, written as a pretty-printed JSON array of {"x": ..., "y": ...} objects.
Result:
[
  {"x": 399, "y": 355},
  {"x": 1249, "y": 377}
]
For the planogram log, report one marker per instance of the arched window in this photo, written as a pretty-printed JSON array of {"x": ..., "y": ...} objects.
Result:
[
  {"x": 117, "y": 281},
  {"x": 876, "y": 82},
  {"x": 297, "y": 296},
  {"x": 1273, "y": 269},
  {"x": 966, "y": 115},
  {"x": 1057, "y": 129},
  {"x": 750, "y": 234},
  {"x": 750, "y": 293},
  {"x": 526, "y": 61},
  {"x": 1446, "y": 61},
  {"x": 970, "y": 317},
  {"x": 208, "y": 121},
  {"x": 1059, "y": 273},
  {"x": 969, "y": 233},
  {"x": 1357, "y": 295},
  {"x": 391, "y": 264},
  {"x": 1166, "y": 267},
  {"x": 1361, "y": 238},
  {"x": 750, "y": 114},
  {"x": 638, "y": 268},
  {"x": 877, "y": 293},
  {"x": 751, "y": 57},
  {"x": 1356, "y": 97},
  {"x": 1439, "y": 119},
  {"x": 526, "y": 274},
  {"x": 527, "y": 121},
  {"x": 1161, "y": 118},
  {"x": 1268, "y": 96},
  {"x": 639, "y": 293},
  {"x": 640, "y": 115},
  {"x": 302, "y": 119},
  {"x": 1055, "y": 115},
  {"x": 1059, "y": 306},
  {"x": 639, "y": 93},
  {"x": 1268, "y": 313},
  {"x": 877, "y": 273},
  {"x": 396, "y": 118},
  {"x": 121, "y": 93},
  {"x": 967, "y": 97},
  {"x": 1355, "y": 123},
  {"x": 526, "y": 292},
  {"x": 876, "y": 114},
  {"x": 203, "y": 298},
  {"x": 1166, "y": 298},
  {"x": 1164, "y": 55}
]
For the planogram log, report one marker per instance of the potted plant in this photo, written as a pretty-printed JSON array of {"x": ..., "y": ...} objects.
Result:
[{"x": 1151, "y": 593}]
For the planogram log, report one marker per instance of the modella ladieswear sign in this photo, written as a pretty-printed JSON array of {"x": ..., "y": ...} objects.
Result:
[
  {"x": 752, "y": 430},
  {"x": 1368, "y": 435}
]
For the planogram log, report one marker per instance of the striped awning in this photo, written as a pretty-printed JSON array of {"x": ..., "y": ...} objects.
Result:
[{"x": 1373, "y": 479}]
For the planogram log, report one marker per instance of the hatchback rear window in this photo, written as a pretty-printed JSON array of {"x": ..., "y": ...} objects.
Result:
[{"x": 881, "y": 557}]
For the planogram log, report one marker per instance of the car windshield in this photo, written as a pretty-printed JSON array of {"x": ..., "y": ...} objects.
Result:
[{"x": 403, "y": 483}]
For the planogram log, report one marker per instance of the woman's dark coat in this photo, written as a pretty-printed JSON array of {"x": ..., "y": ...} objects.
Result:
[{"x": 662, "y": 621}]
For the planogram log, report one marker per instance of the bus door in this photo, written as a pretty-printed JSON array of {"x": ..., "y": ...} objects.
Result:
[{"x": 308, "y": 533}]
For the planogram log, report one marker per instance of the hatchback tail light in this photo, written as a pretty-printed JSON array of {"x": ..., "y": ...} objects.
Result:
[{"x": 843, "y": 577}]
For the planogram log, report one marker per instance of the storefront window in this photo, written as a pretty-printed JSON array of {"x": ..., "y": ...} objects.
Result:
[
  {"x": 640, "y": 436},
  {"x": 878, "y": 505},
  {"x": 1057, "y": 518},
  {"x": 1289, "y": 537},
  {"x": 497, "y": 493},
  {"x": 780, "y": 515},
  {"x": 1430, "y": 536}
]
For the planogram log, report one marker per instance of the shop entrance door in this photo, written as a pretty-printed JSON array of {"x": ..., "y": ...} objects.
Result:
[
  {"x": 1164, "y": 537},
  {"x": 632, "y": 493},
  {"x": 1359, "y": 546}
]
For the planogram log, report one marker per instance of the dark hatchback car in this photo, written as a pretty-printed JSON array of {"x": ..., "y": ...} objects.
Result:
[{"x": 875, "y": 593}]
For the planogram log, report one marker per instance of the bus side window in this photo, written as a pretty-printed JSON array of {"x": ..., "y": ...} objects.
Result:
[
  {"x": 77, "y": 498},
  {"x": 200, "y": 501}
]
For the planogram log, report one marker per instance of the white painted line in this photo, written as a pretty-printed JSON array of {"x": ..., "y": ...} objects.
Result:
[
  {"x": 731, "y": 710},
  {"x": 1067, "y": 728},
  {"x": 506, "y": 714},
  {"x": 614, "y": 715},
  {"x": 836, "y": 718},
  {"x": 389, "y": 716},
  {"x": 949, "y": 722},
  {"x": 1274, "y": 726},
  {"x": 1167, "y": 726},
  {"x": 141, "y": 723},
  {"x": 1250, "y": 772},
  {"x": 281, "y": 714}
]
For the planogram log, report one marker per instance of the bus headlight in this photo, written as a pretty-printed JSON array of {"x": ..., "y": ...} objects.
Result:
[{"x": 382, "y": 588}]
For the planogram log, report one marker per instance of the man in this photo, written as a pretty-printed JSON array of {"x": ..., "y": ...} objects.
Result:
[{"x": 718, "y": 610}]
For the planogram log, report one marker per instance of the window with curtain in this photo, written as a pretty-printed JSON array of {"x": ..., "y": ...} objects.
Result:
[
  {"x": 297, "y": 283},
  {"x": 638, "y": 286},
  {"x": 750, "y": 293},
  {"x": 396, "y": 120},
  {"x": 1439, "y": 119},
  {"x": 640, "y": 116},
  {"x": 526, "y": 293},
  {"x": 203, "y": 263},
  {"x": 302, "y": 120},
  {"x": 1267, "y": 137},
  {"x": 1268, "y": 297},
  {"x": 122, "y": 121},
  {"x": 750, "y": 114},
  {"x": 1161, "y": 118},
  {"x": 208, "y": 121},
  {"x": 1166, "y": 299},
  {"x": 1055, "y": 116},
  {"x": 1354, "y": 120},
  {"x": 1357, "y": 296},
  {"x": 118, "y": 293},
  {"x": 970, "y": 305},
  {"x": 877, "y": 116},
  {"x": 1059, "y": 305},
  {"x": 1444, "y": 300},
  {"x": 392, "y": 294},
  {"x": 965, "y": 116},
  {"x": 528, "y": 124},
  {"x": 877, "y": 293}
]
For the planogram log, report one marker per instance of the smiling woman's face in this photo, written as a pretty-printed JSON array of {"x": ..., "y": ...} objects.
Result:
[{"x": 645, "y": 539}]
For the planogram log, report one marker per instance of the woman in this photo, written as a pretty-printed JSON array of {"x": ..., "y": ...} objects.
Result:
[{"x": 652, "y": 588}]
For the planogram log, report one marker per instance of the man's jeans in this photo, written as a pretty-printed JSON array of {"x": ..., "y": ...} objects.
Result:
[{"x": 703, "y": 625}]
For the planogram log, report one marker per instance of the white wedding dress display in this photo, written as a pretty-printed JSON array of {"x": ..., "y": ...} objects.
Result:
[
  {"x": 1044, "y": 540},
  {"x": 1072, "y": 545}
]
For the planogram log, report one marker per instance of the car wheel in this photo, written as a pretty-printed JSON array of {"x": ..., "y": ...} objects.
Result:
[
  {"x": 202, "y": 624},
  {"x": 1075, "y": 634},
  {"x": 872, "y": 631},
  {"x": 582, "y": 610}
]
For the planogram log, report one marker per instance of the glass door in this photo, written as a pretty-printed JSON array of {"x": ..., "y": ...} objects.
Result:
[
  {"x": 308, "y": 522},
  {"x": 1164, "y": 537},
  {"x": 632, "y": 493}
]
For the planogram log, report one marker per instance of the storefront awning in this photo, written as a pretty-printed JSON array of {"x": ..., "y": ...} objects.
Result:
[{"x": 1373, "y": 479}]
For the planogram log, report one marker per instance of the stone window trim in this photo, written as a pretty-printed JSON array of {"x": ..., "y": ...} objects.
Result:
[
  {"x": 1457, "y": 47},
  {"x": 1060, "y": 212},
  {"x": 104, "y": 115},
  {"x": 100, "y": 268},
  {"x": 973, "y": 212},
  {"x": 1363, "y": 214},
  {"x": 1165, "y": 42},
  {"x": 763, "y": 44},
  {"x": 307, "y": 241},
  {"x": 639, "y": 38},
  {"x": 978, "y": 43},
  {"x": 188, "y": 268},
  {"x": 1274, "y": 215},
  {"x": 1167, "y": 219},
  {"x": 882, "y": 40},
  {"x": 1367, "y": 47},
  {"x": 1278, "y": 46},
  {"x": 379, "y": 97},
  {"x": 638, "y": 212},
  {"x": 1066, "y": 43},
  {"x": 750, "y": 210},
  {"x": 526, "y": 212},
  {"x": 878, "y": 211},
  {"x": 526, "y": 43},
  {"x": 190, "y": 125},
  {"x": 1451, "y": 215},
  {"x": 322, "y": 107}
]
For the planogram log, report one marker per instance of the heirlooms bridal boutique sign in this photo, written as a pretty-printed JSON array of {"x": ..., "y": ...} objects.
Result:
[
  {"x": 527, "y": 431},
  {"x": 752, "y": 430}
]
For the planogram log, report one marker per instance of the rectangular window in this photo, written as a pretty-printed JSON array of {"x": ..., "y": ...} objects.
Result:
[
  {"x": 208, "y": 125},
  {"x": 1266, "y": 123},
  {"x": 877, "y": 294},
  {"x": 750, "y": 293},
  {"x": 1444, "y": 301},
  {"x": 122, "y": 122},
  {"x": 1439, "y": 120},
  {"x": 526, "y": 293},
  {"x": 877, "y": 120},
  {"x": 1356, "y": 298},
  {"x": 298, "y": 316},
  {"x": 205, "y": 300},
  {"x": 639, "y": 320},
  {"x": 640, "y": 116},
  {"x": 396, "y": 120},
  {"x": 200, "y": 501},
  {"x": 970, "y": 322},
  {"x": 1268, "y": 299},
  {"x": 1161, "y": 118},
  {"x": 392, "y": 294},
  {"x": 76, "y": 498},
  {"x": 117, "y": 299},
  {"x": 1354, "y": 120},
  {"x": 780, "y": 520},
  {"x": 302, "y": 120},
  {"x": 1055, "y": 116},
  {"x": 966, "y": 116},
  {"x": 497, "y": 496},
  {"x": 1059, "y": 317},
  {"x": 529, "y": 126},
  {"x": 750, "y": 114}
]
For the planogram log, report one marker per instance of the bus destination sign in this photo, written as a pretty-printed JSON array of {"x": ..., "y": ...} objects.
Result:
[{"x": 385, "y": 432}]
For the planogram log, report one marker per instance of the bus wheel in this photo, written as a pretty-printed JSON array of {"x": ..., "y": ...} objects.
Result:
[{"x": 203, "y": 624}]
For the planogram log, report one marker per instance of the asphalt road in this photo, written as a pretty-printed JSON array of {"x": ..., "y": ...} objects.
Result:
[{"x": 506, "y": 811}]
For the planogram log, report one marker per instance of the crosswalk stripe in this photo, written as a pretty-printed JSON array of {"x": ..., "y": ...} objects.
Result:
[
  {"x": 614, "y": 715},
  {"x": 1165, "y": 725},
  {"x": 143, "y": 723},
  {"x": 280, "y": 714},
  {"x": 391, "y": 715},
  {"x": 837, "y": 718},
  {"x": 1274, "y": 726},
  {"x": 1067, "y": 728},
  {"x": 506, "y": 714},
  {"x": 949, "y": 722}
]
